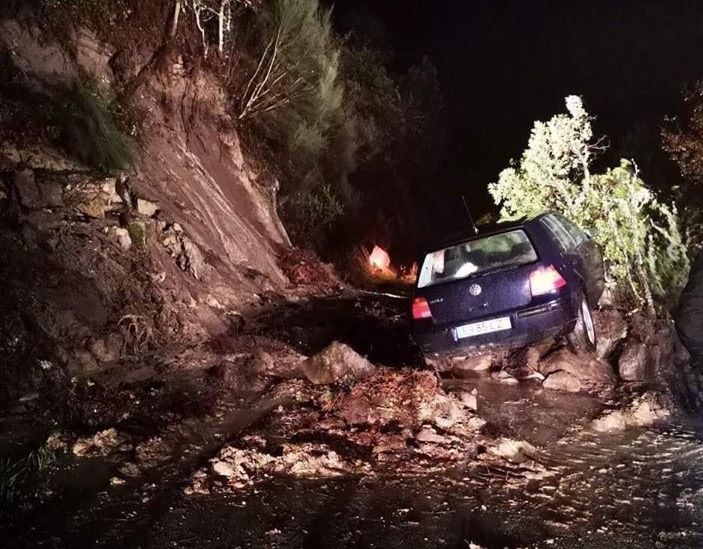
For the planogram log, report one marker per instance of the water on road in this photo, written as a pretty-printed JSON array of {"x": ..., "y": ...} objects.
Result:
[{"x": 641, "y": 488}]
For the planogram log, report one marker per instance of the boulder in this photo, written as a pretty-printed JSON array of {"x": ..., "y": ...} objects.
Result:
[
  {"x": 188, "y": 256},
  {"x": 94, "y": 207},
  {"x": 611, "y": 328},
  {"x": 37, "y": 157},
  {"x": 477, "y": 363},
  {"x": 45, "y": 220},
  {"x": 590, "y": 371},
  {"x": 103, "y": 443},
  {"x": 57, "y": 441},
  {"x": 665, "y": 355},
  {"x": 121, "y": 235},
  {"x": 35, "y": 194},
  {"x": 262, "y": 363},
  {"x": 429, "y": 435},
  {"x": 27, "y": 189},
  {"x": 84, "y": 363},
  {"x": 503, "y": 376},
  {"x": 515, "y": 451},
  {"x": 409, "y": 399},
  {"x": 643, "y": 411},
  {"x": 108, "y": 188},
  {"x": 632, "y": 363},
  {"x": 335, "y": 362},
  {"x": 238, "y": 376},
  {"x": 95, "y": 198},
  {"x": 107, "y": 349},
  {"x": 146, "y": 207},
  {"x": 469, "y": 399},
  {"x": 51, "y": 193},
  {"x": 562, "y": 381},
  {"x": 191, "y": 258}
]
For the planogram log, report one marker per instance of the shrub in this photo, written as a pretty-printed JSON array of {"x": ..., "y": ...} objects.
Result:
[
  {"x": 646, "y": 259},
  {"x": 89, "y": 131},
  {"x": 294, "y": 77},
  {"x": 25, "y": 478},
  {"x": 311, "y": 214}
]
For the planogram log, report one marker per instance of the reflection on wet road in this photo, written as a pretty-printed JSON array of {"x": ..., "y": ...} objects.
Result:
[{"x": 641, "y": 488}]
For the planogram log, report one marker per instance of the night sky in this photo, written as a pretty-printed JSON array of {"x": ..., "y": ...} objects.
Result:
[{"x": 504, "y": 64}]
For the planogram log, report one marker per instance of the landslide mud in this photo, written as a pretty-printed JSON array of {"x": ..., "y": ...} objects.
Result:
[{"x": 539, "y": 476}]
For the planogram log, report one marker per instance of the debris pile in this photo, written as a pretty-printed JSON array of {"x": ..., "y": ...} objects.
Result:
[
  {"x": 303, "y": 268},
  {"x": 235, "y": 468},
  {"x": 101, "y": 444},
  {"x": 337, "y": 362}
]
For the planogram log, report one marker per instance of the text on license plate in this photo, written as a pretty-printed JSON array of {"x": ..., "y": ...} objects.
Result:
[{"x": 484, "y": 327}]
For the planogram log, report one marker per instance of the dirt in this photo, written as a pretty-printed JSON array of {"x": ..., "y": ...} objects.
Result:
[
  {"x": 198, "y": 381},
  {"x": 395, "y": 458}
]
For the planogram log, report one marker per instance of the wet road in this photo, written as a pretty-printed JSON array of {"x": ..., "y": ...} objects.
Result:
[{"x": 641, "y": 488}]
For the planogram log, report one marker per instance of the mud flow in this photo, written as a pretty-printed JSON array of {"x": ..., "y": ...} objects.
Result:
[
  {"x": 640, "y": 489},
  {"x": 291, "y": 464}
]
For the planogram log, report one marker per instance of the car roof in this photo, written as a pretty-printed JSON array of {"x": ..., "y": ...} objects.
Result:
[{"x": 469, "y": 233}]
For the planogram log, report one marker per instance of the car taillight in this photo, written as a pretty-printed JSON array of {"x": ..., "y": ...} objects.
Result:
[
  {"x": 421, "y": 309},
  {"x": 546, "y": 280}
]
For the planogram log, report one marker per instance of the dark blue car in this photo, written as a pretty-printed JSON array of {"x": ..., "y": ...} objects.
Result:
[{"x": 509, "y": 285}]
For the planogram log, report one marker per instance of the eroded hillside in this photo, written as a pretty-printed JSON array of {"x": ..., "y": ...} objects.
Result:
[{"x": 101, "y": 268}]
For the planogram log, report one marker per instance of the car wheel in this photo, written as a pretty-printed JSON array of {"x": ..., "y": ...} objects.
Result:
[{"x": 583, "y": 338}]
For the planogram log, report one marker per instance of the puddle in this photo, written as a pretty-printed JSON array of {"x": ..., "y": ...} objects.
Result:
[{"x": 642, "y": 488}]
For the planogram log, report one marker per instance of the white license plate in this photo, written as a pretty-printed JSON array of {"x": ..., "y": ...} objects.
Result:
[{"x": 484, "y": 327}]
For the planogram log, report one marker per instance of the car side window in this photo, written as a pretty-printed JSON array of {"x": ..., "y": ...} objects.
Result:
[
  {"x": 561, "y": 236},
  {"x": 577, "y": 234}
]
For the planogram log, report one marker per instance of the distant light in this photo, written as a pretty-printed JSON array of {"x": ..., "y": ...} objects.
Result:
[{"x": 379, "y": 258}]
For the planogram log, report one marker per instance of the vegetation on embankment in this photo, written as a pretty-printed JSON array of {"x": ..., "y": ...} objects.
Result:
[
  {"x": 644, "y": 247},
  {"x": 355, "y": 140}
]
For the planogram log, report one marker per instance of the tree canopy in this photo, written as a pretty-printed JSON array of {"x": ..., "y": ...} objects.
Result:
[{"x": 646, "y": 259}]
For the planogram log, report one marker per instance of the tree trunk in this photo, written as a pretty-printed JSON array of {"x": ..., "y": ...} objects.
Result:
[
  {"x": 221, "y": 37},
  {"x": 176, "y": 15}
]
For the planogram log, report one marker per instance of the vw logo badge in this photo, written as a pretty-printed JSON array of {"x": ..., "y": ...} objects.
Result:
[{"x": 475, "y": 289}]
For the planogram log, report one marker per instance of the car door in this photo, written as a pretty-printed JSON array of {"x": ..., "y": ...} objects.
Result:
[{"x": 589, "y": 259}]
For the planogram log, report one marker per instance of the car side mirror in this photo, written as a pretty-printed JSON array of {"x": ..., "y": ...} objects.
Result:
[{"x": 591, "y": 232}]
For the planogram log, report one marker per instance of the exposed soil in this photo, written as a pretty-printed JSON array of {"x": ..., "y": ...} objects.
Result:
[
  {"x": 174, "y": 373},
  {"x": 292, "y": 464}
]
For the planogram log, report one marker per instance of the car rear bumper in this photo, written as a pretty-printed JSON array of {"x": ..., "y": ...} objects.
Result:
[{"x": 529, "y": 325}]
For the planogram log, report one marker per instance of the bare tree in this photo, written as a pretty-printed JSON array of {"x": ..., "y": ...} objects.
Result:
[
  {"x": 176, "y": 15},
  {"x": 206, "y": 11},
  {"x": 297, "y": 61}
]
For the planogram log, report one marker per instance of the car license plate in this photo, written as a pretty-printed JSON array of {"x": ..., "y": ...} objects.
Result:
[{"x": 484, "y": 327}]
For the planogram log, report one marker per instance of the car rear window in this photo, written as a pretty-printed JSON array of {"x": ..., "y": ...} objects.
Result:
[{"x": 477, "y": 256}]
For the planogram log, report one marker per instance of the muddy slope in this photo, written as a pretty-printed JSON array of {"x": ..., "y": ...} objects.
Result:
[{"x": 104, "y": 269}]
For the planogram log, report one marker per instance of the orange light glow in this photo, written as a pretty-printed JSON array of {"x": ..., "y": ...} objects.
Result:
[
  {"x": 409, "y": 275},
  {"x": 379, "y": 259}
]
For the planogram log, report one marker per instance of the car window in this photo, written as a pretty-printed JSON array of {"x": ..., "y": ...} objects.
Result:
[
  {"x": 577, "y": 234},
  {"x": 562, "y": 237},
  {"x": 477, "y": 256}
]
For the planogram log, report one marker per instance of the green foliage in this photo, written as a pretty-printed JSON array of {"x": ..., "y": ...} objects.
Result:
[
  {"x": 137, "y": 232},
  {"x": 89, "y": 131},
  {"x": 26, "y": 478},
  {"x": 310, "y": 214},
  {"x": 356, "y": 141},
  {"x": 683, "y": 139},
  {"x": 293, "y": 96},
  {"x": 646, "y": 258},
  {"x": 294, "y": 81}
]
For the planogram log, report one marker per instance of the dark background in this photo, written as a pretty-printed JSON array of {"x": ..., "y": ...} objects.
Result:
[{"x": 504, "y": 64}]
